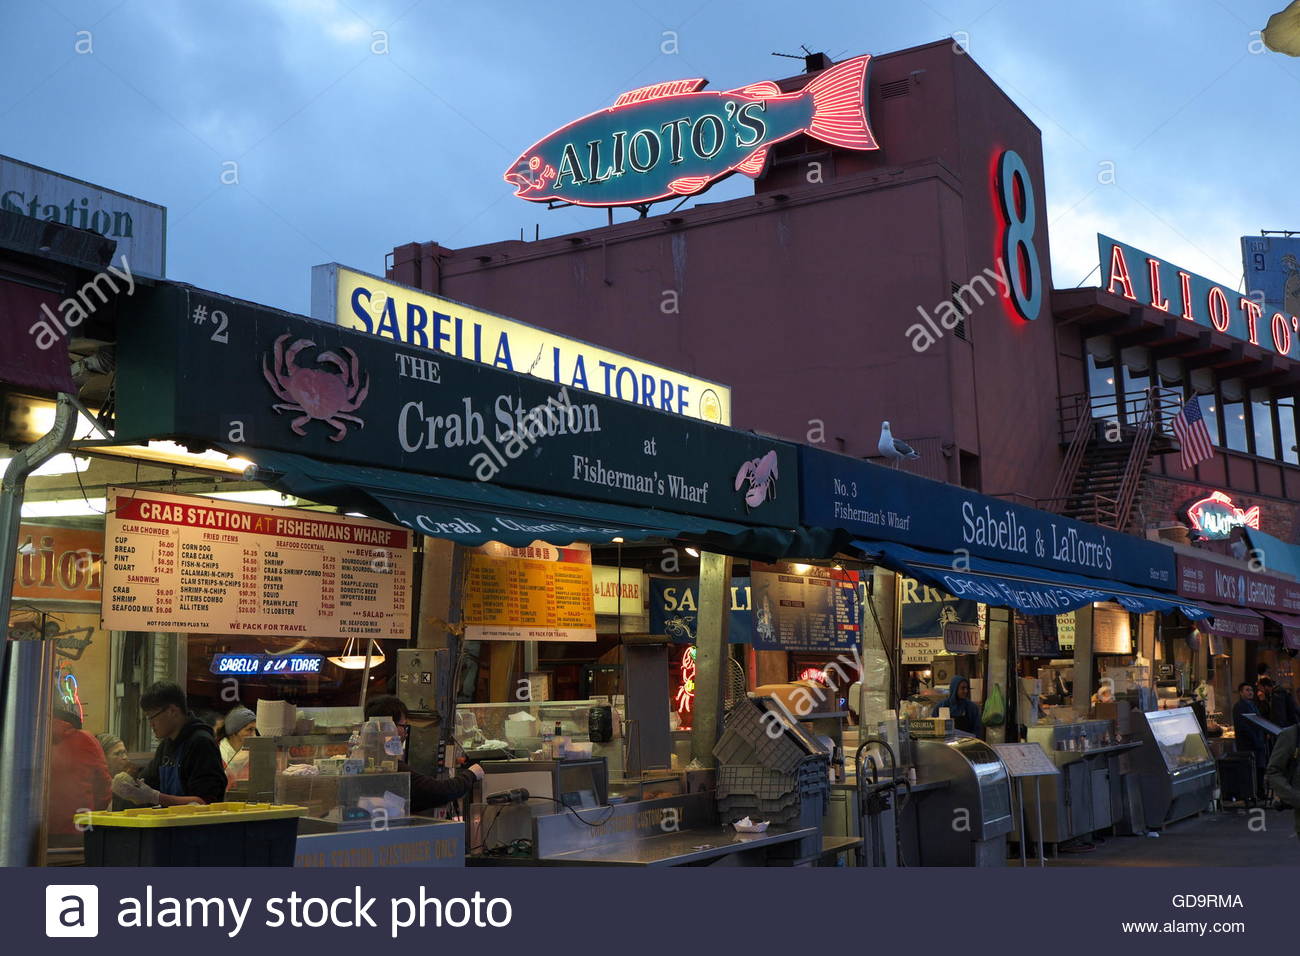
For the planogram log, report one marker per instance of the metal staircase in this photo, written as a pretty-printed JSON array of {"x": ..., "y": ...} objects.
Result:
[{"x": 1108, "y": 447}]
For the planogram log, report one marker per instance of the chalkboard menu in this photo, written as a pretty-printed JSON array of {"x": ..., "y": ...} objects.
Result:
[{"x": 1036, "y": 635}]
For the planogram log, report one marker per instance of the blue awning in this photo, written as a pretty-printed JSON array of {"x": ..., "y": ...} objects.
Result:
[
  {"x": 474, "y": 512},
  {"x": 1026, "y": 589}
]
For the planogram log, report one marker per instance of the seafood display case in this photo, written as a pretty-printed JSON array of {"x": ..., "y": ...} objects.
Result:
[{"x": 1175, "y": 766}]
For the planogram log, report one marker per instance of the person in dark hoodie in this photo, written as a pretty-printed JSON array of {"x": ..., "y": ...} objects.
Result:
[
  {"x": 426, "y": 792},
  {"x": 965, "y": 712},
  {"x": 186, "y": 768}
]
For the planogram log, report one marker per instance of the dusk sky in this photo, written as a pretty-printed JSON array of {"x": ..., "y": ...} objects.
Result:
[{"x": 360, "y": 125}]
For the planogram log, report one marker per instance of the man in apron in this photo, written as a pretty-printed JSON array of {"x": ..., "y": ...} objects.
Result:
[{"x": 187, "y": 767}]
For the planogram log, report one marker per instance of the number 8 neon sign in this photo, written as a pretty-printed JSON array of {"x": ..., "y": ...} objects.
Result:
[{"x": 1026, "y": 287}]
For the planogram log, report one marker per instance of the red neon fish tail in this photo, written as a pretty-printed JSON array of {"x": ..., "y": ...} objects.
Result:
[{"x": 840, "y": 106}]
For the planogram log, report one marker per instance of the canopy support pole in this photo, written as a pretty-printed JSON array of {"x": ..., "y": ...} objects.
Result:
[{"x": 710, "y": 655}]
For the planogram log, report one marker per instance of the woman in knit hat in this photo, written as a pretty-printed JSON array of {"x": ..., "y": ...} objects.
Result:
[{"x": 239, "y": 725}]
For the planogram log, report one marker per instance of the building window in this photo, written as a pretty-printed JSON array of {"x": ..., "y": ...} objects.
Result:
[
  {"x": 1101, "y": 387},
  {"x": 1210, "y": 414},
  {"x": 1133, "y": 393},
  {"x": 1234, "y": 426},
  {"x": 1261, "y": 417},
  {"x": 1286, "y": 432}
]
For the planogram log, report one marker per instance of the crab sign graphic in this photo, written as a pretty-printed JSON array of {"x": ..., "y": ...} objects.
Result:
[
  {"x": 319, "y": 393},
  {"x": 758, "y": 478}
]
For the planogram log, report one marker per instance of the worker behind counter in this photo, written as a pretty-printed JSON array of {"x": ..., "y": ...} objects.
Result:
[
  {"x": 426, "y": 792},
  {"x": 964, "y": 711},
  {"x": 187, "y": 767}
]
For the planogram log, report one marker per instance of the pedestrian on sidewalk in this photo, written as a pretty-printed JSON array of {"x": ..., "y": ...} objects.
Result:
[
  {"x": 1284, "y": 770},
  {"x": 1251, "y": 737}
]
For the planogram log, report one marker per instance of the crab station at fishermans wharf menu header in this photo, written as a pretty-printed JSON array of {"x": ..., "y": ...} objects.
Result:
[
  {"x": 197, "y": 366},
  {"x": 186, "y": 563}
]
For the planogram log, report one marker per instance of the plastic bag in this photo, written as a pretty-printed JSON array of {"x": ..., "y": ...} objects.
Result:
[{"x": 995, "y": 708}]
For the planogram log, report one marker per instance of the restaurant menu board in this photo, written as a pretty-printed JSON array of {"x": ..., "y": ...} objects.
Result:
[
  {"x": 819, "y": 609},
  {"x": 537, "y": 593},
  {"x": 1026, "y": 760},
  {"x": 1036, "y": 635},
  {"x": 1065, "y": 631},
  {"x": 190, "y": 564},
  {"x": 1111, "y": 632}
]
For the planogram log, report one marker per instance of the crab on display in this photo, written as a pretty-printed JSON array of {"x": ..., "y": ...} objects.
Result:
[{"x": 319, "y": 393}]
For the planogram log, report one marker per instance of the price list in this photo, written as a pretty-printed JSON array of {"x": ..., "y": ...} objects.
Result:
[
  {"x": 815, "y": 611},
  {"x": 185, "y": 563},
  {"x": 529, "y": 598}
]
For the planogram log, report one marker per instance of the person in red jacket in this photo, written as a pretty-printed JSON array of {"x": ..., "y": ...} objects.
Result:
[{"x": 79, "y": 779}]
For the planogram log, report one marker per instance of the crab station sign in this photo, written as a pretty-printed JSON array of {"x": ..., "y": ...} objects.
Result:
[
  {"x": 202, "y": 367},
  {"x": 1150, "y": 281}
]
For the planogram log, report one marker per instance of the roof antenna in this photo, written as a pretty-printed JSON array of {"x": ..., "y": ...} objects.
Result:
[{"x": 812, "y": 62}]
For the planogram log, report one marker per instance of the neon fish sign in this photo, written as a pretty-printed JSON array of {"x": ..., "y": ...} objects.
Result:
[
  {"x": 674, "y": 139},
  {"x": 1217, "y": 516}
]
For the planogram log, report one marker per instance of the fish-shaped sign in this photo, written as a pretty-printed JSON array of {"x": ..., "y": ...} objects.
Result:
[{"x": 674, "y": 139}]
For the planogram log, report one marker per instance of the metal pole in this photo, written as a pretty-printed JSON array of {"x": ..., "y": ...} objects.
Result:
[
  {"x": 1024, "y": 834},
  {"x": 710, "y": 654},
  {"x": 365, "y": 677},
  {"x": 25, "y": 729},
  {"x": 1038, "y": 802}
]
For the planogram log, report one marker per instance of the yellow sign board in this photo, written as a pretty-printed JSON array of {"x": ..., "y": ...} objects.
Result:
[
  {"x": 537, "y": 593},
  {"x": 360, "y": 301}
]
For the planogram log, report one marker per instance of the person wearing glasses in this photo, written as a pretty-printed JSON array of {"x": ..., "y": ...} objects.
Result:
[
  {"x": 187, "y": 767},
  {"x": 426, "y": 792}
]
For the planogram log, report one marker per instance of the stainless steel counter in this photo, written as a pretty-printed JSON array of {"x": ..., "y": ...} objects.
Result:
[{"x": 678, "y": 849}]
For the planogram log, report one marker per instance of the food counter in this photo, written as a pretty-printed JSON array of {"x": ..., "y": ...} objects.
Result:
[
  {"x": 1088, "y": 795},
  {"x": 1175, "y": 766}
]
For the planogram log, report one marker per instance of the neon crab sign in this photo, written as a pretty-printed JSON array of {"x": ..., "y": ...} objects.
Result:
[{"x": 1215, "y": 517}]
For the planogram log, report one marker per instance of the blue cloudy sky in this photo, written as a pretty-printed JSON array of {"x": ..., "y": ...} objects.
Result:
[{"x": 343, "y": 152}]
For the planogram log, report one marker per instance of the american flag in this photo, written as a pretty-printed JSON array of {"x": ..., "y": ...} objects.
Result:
[{"x": 1192, "y": 434}]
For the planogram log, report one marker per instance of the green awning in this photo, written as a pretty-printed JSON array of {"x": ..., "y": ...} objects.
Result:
[{"x": 472, "y": 513}]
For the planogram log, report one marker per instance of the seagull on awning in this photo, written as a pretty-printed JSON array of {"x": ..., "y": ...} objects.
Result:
[{"x": 893, "y": 449}]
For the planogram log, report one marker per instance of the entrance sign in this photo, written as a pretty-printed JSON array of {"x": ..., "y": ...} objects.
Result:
[
  {"x": 961, "y": 638},
  {"x": 190, "y": 564},
  {"x": 407, "y": 316},
  {"x": 675, "y": 139},
  {"x": 1143, "y": 278}
]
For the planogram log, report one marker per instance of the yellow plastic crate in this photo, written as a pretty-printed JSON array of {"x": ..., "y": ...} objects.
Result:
[{"x": 189, "y": 815}]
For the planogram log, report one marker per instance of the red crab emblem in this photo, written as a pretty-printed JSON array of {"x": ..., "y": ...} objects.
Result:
[{"x": 318, "y": 393}]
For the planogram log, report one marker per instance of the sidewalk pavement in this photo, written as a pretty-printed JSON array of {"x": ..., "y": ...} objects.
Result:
[{"x": 1233, "y": 837}]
